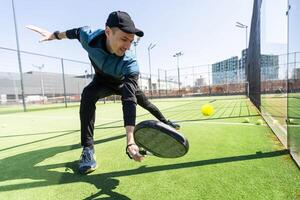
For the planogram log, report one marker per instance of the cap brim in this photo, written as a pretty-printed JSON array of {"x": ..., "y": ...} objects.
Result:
[{"x": 131, "y": 30}]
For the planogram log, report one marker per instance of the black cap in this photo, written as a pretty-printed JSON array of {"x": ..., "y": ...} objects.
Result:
[{"x": 124, "y": 22}]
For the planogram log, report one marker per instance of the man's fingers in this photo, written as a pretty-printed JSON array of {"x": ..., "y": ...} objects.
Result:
[
  {"x": 46, "y": 35},
  {"x": 138, "y": 157},
  {"x": 44, "y": 39},
  {"x": 34, "y": 28},
  {"x": 31, "y": 27},
  {"x": 134, "y": 152},
  {"x": 41, "y": 31}
]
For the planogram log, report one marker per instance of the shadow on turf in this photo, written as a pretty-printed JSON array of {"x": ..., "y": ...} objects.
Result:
[
  {"x": 104, "y": 126},
  {"x": 100, "y": 126},
  {"x": 64, "y": 133},
  {"x": 26, "y": 166},
  {"x": 53, "y": 132}
]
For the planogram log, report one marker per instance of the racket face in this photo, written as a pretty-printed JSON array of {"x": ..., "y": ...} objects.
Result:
[{"x": 160, "y": 139}]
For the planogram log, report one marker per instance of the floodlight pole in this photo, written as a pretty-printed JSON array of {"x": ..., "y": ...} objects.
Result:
[
  {"x": 240, "y": 25},
  {"x": 166, "y": 83},
  {"x": 15, "y": 87},
  {"x": 85, "y": 77},
  {"x": 151, "y": 46},
  {"x": 19, "y": 56},
  {"x": 40, "y": 67},
  {"x": 135, "y": 43},
  {"x": 158, "y": 80},
  {"x": 243, "y": 26},
  {"x": 177, "y": 55}
]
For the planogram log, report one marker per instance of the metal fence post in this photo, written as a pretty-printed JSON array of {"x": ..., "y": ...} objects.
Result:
[
  {"x": 193, "y": 83},
  {"x": 178, "y": 74},
  {"x": 208, "y": 71},
  {"x": 64, "y": 82},
  {"x": 158, "y": 81},
  {"x": 166, "y": 83}
]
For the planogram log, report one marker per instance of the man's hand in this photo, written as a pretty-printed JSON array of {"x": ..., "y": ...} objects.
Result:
[
  {"x": 46, "y": 35},
  {"x": 132, "y": 149}
]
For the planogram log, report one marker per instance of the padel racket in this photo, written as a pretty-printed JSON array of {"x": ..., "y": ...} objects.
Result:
[{"x": 161, "y": 140}]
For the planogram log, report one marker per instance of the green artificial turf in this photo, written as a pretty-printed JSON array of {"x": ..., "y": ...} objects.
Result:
[{"x": 228, "y": 159}]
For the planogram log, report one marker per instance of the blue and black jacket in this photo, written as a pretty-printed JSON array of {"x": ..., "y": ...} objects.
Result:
[{"x": 112, "y": 69}]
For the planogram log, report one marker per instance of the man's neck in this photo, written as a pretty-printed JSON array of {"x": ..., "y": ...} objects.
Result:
[{"x": 107, "y": 45}]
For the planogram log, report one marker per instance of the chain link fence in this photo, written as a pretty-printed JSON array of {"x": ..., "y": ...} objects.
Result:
[
  {"x": 52, "y": 81},
  {"x": 280, "y": 79},
  {"x": 46, "y": 80}
]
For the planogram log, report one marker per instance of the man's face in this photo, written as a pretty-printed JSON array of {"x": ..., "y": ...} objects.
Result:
[{"x": 118, "y": 40}]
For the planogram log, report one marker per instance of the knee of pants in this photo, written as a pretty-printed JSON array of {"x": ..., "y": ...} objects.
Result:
[
  {"x": 88, "y": 96},
  {"x": 143, "y": 102},
  {"x": 88, "y": 101}
]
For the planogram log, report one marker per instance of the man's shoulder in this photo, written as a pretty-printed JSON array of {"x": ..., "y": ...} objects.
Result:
[
  {"x": 90, "y": 30},
  {"x": 88, "y": 34}
]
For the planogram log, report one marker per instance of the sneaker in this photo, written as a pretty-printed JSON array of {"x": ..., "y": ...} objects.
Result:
[
  {"x": 173, "y": 124},
  {"x": 87, "y": 162}
]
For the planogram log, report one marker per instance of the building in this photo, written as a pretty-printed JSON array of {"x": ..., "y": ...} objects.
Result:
[
  {"x": 225, "y": 71},
  {"x": 269, "y": 66},
  {"x": 232, "y": 70},
  {"x": 41, "y": 83},
  {"x": 200, "y": 82}
]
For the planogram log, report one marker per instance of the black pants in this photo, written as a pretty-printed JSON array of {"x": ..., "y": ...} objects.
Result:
[{"x": 97, "y": 90}]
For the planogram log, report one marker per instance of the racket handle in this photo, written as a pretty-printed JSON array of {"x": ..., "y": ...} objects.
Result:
[
  {"x": 144, "y": 152},
  {"x": 141, "y": 151}
]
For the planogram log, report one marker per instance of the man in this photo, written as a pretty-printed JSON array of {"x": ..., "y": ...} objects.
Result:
[{"x": 116, "y": 72}]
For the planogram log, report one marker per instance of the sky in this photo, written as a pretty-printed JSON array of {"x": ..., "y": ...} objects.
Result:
[
  {"x": 203, "y": 30},
  {"x": 274, "y": 27},
  {"x": 294, "y": 32}
]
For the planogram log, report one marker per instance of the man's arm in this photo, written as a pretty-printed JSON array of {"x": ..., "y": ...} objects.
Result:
[
  {"x": 129, "y": 114},
  {"x": 47, "y": 35},
  {"x": 132, "y": 148}
]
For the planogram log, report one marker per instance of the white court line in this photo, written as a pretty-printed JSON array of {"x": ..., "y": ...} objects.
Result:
[{"x": 223, "y": 123}]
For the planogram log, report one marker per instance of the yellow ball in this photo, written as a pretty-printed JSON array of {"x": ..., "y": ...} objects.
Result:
[
  {"x": 207, "y": 110},
  {"x": 259, "y": 122},
  {"x": 246, "y": 120}
]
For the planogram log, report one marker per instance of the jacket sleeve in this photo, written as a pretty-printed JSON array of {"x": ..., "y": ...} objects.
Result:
[
  {"x": 81, "y": 33},
  {"x": 73, "y": 33},
  {"x": 128, "y": 91}
]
